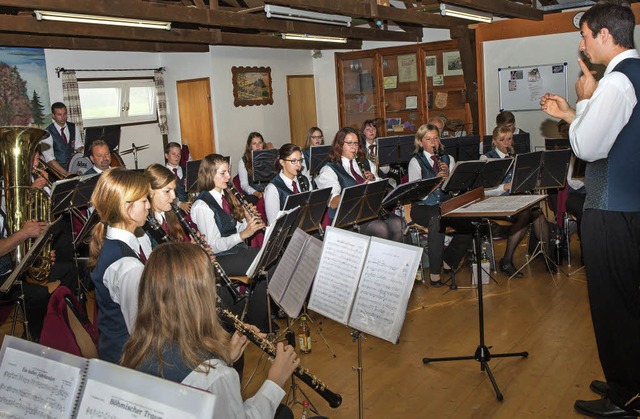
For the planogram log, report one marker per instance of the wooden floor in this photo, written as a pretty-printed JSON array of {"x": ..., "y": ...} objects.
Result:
[{"x": 546, "y": 316}]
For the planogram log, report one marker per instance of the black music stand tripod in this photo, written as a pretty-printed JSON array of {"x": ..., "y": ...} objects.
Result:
[{"x": 482, "y": 354}]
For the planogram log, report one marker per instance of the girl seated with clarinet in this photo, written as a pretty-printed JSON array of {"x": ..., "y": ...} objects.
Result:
[
  {"x": 115, "y": 256},
  {"x": 502, "y": 142},
  {"x": 346, "y": 167},
  {"x": 178, "y": 336},
  {"x": 289, "y": 180},
  {"x": 168, "y": 223}
]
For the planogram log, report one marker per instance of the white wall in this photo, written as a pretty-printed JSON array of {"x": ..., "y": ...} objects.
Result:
[
  {"x": 545, "y": 49},
  {"x": 138, "y": 134}
]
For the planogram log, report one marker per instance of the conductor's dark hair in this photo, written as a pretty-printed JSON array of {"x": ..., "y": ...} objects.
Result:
[{"x": 618, "y": 20}]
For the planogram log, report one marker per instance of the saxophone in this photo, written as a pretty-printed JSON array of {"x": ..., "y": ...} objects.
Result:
[{"x": 18, "y": 146}]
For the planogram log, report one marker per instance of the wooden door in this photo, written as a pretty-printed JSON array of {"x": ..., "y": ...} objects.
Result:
[
  {"x": 302, "y": 107},
  {"x": 196, "y": 119}
]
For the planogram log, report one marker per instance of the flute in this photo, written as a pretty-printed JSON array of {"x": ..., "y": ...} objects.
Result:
[
  {"x": 220, "y": 273},
  {"x": 334, "y": 399}
]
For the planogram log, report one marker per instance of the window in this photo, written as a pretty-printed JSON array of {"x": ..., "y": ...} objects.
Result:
[{"x": 117, "y": 102}]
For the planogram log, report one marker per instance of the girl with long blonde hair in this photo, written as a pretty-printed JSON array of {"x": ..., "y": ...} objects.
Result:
[
  {"x": 115, "y": 256},
  {"x": 178, "y": 336}
]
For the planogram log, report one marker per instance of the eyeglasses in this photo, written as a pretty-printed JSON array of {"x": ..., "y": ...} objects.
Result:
[
  {"x": 351, "y": 143},
  {"x": 317, "y": 137},
  {"x": 294, "y": 161}
]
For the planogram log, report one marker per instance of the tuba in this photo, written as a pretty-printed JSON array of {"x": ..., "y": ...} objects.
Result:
[{"x": 18, "y": 146}]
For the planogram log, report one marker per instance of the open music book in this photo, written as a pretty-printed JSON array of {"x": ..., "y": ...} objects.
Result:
[
  {"x": 40, "y": 382},
  {"x": 365, "y": 282},
  {"x": 292, "y": 278}
]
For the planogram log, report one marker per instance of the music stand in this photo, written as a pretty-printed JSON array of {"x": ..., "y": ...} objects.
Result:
[
  {"x": 410, "y": 191},
  {"x": 359, "y": 203},
  {"x": 264, "y": 164},
  {"x": 318, "y": 157},
  {"x": 468, "y": 175},
  {"x": 526, "y": 171},
  {"x": 394, "y": 150},
  {"x": 62, "y": 194},
  {"x": 478, "y": 217},
  {"x": 29, "y": 257},
  {"x": 556, "y": 143},
  {"x": 462, "y": 148},
  {"x": 313, "y": 205},
  {"x": 193, "y": 167}
]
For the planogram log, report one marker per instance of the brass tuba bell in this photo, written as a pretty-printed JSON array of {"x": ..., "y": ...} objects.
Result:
[{"x": 18, "y": 147}]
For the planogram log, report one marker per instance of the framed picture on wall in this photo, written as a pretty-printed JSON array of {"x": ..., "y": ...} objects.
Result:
[
  {"x": 452, "y": 63},
  {"x": 252, "y": 86}
]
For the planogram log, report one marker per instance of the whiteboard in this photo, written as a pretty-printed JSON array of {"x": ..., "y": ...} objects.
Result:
[{"x": 521, "y": 88}]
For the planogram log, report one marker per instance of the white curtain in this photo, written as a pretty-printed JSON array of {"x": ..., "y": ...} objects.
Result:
[
  {"x": 161, "y": 102},
  {"x": 71, "y": 98}
]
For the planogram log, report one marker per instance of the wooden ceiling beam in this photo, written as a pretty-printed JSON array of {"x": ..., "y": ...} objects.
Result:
[
  {"x": 505, "y": 8},
  {"x": 207, "y": 17},
  {"x": 65, "y": 42},
  {"x": 28, "y": 24}
]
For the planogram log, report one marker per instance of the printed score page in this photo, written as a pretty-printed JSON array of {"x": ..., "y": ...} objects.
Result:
[
  {"x": 281, "y": 276},
  {"x": 498, "y": 206},
  {"x": 343, "y": 254},
  {"x": 385, "y": 287},
  {"x": 102, "y": 401},
  {"x": 36, "y": 387},
  {"x": 302, "y": 278}
]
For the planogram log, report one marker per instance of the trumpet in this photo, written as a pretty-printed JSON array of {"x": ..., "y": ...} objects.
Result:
[
  {"x": 334, "y": 399},
  {"x": 220, "y": 273}
]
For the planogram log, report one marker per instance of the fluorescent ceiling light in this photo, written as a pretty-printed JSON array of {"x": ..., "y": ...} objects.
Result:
[
  {"x": 463, "y": 13},
  {"x": 281, "y": 12},
  {"x": 314, "y": 38},
  {"x": 101, "y": 20}
]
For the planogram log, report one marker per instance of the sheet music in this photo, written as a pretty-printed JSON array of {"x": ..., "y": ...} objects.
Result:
[
  {"x": 102, "y": 401},
  {"x": 383, "y": 293},
  {"x": 302, "y": 278},
  {"x": 267, "y": 234},
  {"x": 501, "y": 205},
  {"x": 284, "y": 271},
  {"x": 36, "y": 387},
  {"x": 343, "y": 254}
]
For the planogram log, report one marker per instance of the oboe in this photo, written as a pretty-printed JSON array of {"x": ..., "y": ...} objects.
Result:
[
  {"x": 303, "y": 185},
  {"x": 226, "y": 281},
  {"x": 334, "y": 399}
]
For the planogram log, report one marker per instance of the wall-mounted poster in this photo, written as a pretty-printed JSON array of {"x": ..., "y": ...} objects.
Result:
[
  {"x": 407, "y": 69},
  {"x": 430, "y": 63},
  {"x": 24, "y": 97}
]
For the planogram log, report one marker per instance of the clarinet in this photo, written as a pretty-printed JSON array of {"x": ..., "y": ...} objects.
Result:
[
  {"x": 303, "y": 185},
  {"x": 511, "y": 152},
  {"x": 242, "y": 201},
  {"x": 437, "y": 155},
  {"x": 220, "y": 273},
  {"x": 156, "y": 230},
  {"x": 334, "y": 399},
  {"x": 361, "y": 167}
]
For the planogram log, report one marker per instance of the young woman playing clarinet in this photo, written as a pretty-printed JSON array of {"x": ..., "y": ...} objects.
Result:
[
  {"x": 502, "y": 142},
  {"x": 428, "y": 164},
  {"x": 115, "y": 256},
  {"x": 347, "y": 166},
  {"x": 289, "y": 180},
  {"x": 178, "y": 336},
  {"x": 226, "y": 224}
]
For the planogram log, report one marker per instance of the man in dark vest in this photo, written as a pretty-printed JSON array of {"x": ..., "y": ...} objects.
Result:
[
  {"x": 611, "y": 217},
  {"x": 63, "y": 141}
]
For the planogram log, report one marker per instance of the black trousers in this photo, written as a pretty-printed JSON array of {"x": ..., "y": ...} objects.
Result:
[
  {"x": 611, "y": 245},
  {"x": 429, "y": 216}
]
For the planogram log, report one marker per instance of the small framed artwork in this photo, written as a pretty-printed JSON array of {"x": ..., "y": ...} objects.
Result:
[
  {"x": 430, "y": 62},
  {"x": 438, "y": 80},
  {"x": 390, "y": 82},
  {"x": 411, "y": 102},
  {"x": 452, "y": 63},
  {"x": 252, "y": 86}
]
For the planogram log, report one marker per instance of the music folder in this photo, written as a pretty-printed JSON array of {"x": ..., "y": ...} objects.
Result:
[
  {"x": 394, "y": 150},
  {"x": 318, "y": 157},
  {"x": 193, "y": 166},
  {"x": 313, "y": 205},
  {"x": 540, "y": 170},
  {"x": 411, "y": 191},
  {"x": 360, "y": 203},
  {"x": 264, "y": 164},
  {"x": 468, "y": 175}
]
